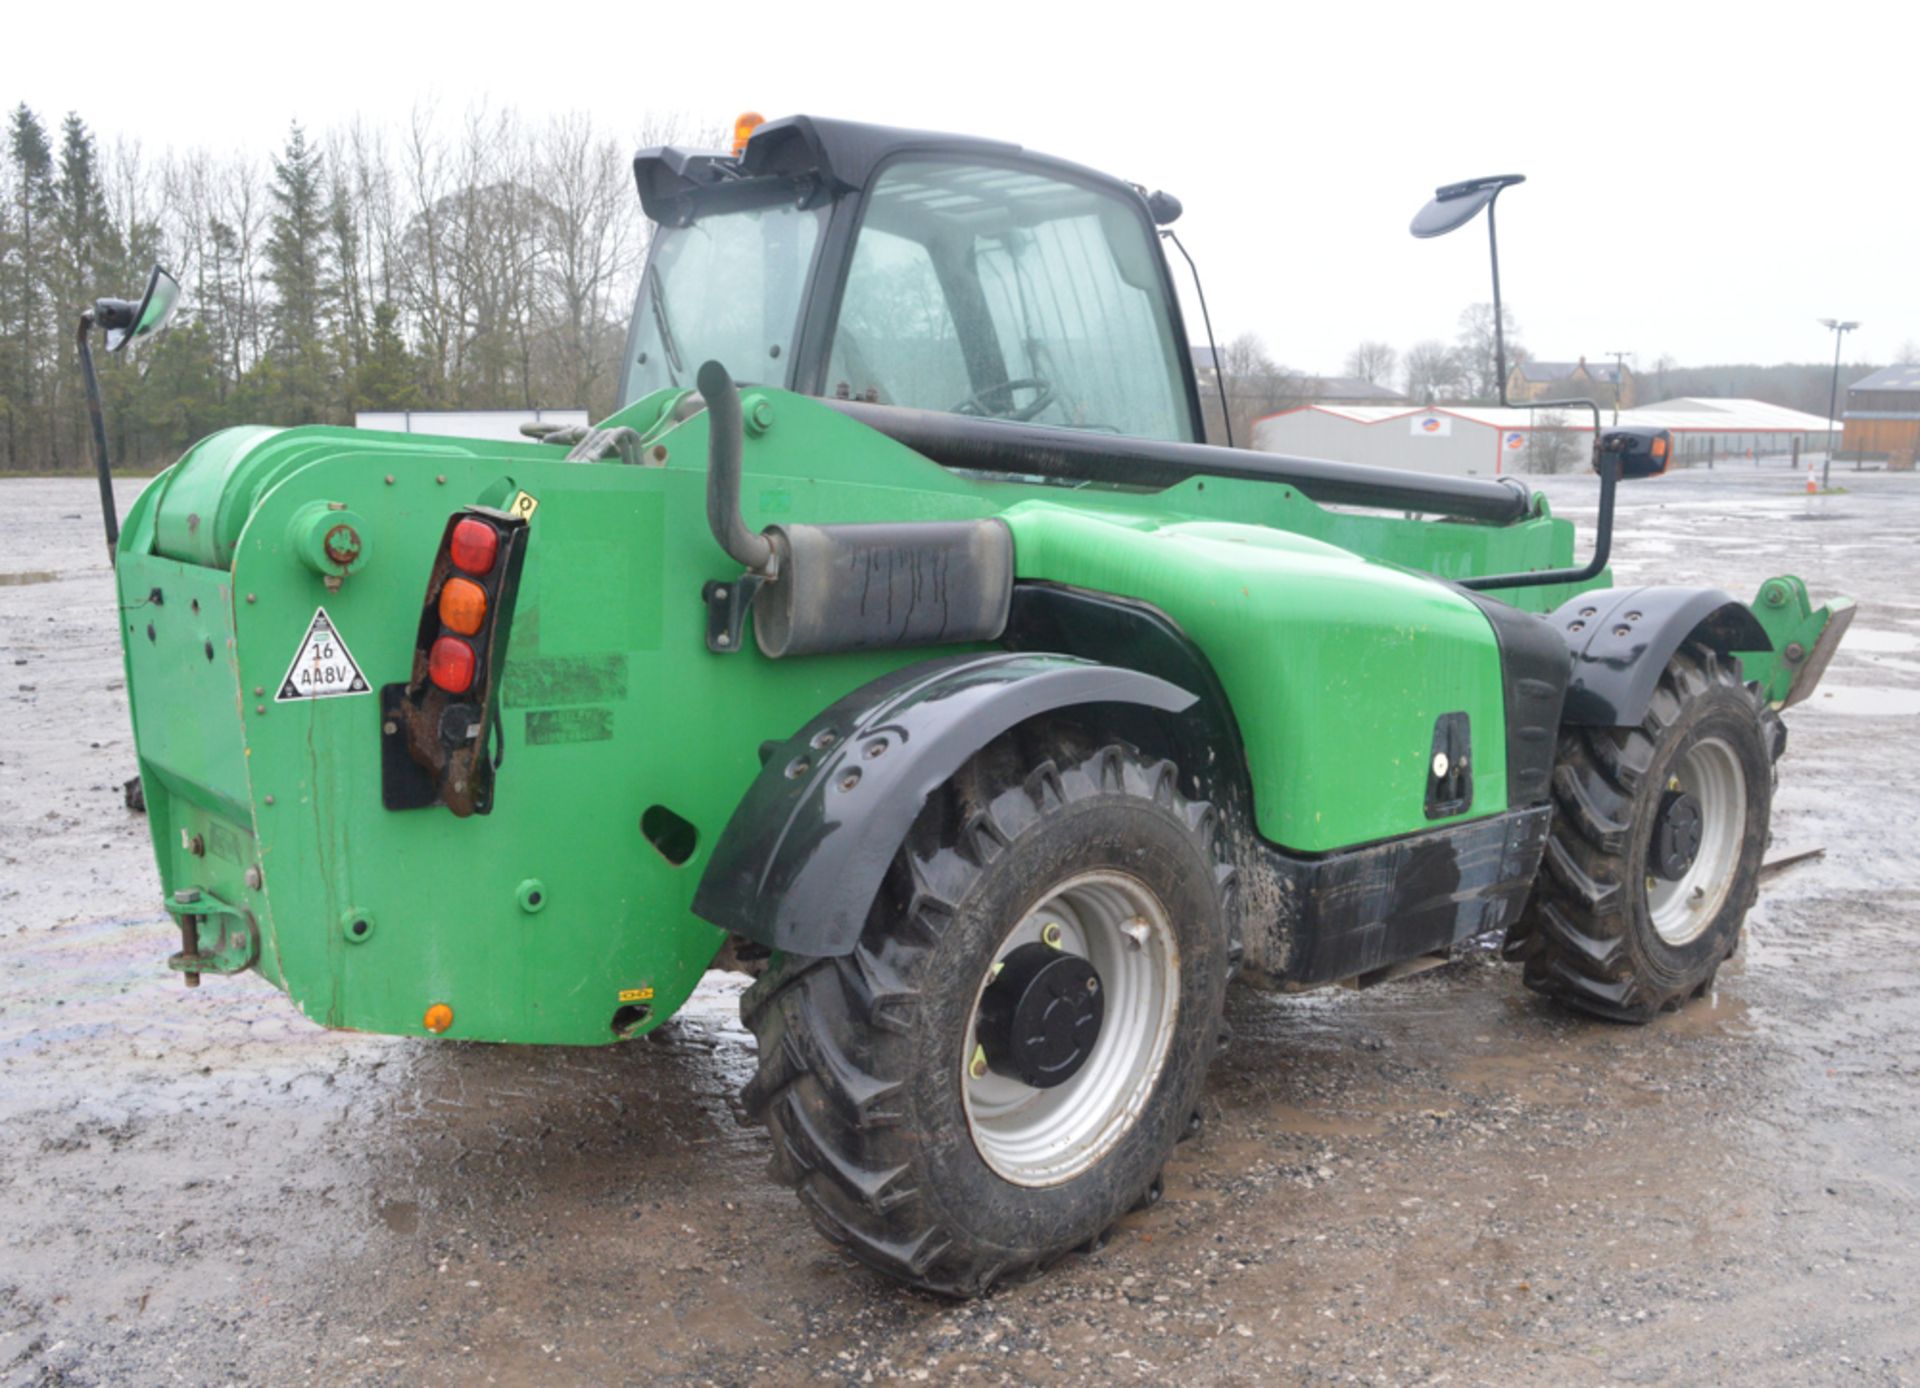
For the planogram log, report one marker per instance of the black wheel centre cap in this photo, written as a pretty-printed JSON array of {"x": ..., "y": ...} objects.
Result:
[
  {"x": 1676, "y": 834},
  {"x": 1040, "y": 1017}
]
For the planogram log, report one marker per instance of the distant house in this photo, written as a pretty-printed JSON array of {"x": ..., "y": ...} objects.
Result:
[
  {"x": 1550, "y": 380},
  {"x": 1883, "y": 415}
]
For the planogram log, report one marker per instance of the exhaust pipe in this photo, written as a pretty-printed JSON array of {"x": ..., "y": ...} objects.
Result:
[
  {"x": 817, "y": 589},
  {"x": 725, "y": 433}
]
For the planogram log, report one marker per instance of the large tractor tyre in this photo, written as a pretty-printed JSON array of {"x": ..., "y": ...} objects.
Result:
[
  {"x": 1000, "y": 1069},
  {"x": 1655, "y": 853}
]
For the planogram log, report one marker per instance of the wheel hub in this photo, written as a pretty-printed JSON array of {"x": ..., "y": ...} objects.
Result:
[
  {"x": 1677, "y": 831},
  {"x": 1041, "y": 1015}
]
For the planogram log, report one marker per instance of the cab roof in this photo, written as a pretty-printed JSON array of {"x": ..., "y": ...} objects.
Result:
[{"x": 812, "y": 159}]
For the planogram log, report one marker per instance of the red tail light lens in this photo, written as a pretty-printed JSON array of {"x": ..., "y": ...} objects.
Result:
[
  {"x": 450, "y": 664},
  {"x": 475, "y": 543}
]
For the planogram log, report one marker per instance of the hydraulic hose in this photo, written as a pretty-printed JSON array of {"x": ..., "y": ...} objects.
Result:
[{"x": 725, "y": 434}]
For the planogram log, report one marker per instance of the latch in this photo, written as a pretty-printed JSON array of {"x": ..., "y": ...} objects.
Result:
[
  {"x": 215, "y": 938},
  {"x": 1450, "y": 768}
]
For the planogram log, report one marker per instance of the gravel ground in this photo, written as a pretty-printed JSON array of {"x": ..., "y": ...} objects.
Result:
[{"x": 1440, "y": 1179}]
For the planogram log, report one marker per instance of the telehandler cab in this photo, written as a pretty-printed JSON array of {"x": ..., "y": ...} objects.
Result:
[{"x": 899, "y": 641}]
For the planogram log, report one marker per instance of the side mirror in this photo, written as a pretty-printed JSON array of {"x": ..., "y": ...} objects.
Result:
[
  {"x": 125, "y": 321},
  {"x": 1642, "y": 450},
  {"x": 1457, "y": 204},
  {"x": 1164, "y": 208}
]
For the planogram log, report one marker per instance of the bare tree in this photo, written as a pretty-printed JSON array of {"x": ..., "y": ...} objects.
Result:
[
  {"x": 1433, "y": 372},
  {"x": 1256, "y": 385},
  {"x": 1479, "y": 361},
  {"x": 1551, "y": 445},
  {"x": 1373, "y": 362}
]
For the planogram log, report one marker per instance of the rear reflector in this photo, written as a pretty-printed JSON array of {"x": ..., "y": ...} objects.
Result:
[
  {"x": 463, "y": 606},
  {"x": 474, "y": 545},
  {"x": 450, "y": 664}
]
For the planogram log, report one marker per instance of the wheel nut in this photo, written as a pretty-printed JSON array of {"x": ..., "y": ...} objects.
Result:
[{"x": 977, "y": 1067}]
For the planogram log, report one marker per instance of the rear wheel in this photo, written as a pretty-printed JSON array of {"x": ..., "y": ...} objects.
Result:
[
  {"x": 1002, "y": 1066},
  {"x": 1657, "y": 840}
]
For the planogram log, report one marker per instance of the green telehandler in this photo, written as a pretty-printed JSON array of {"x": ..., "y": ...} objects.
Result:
[{"x": 899, "y": 642}]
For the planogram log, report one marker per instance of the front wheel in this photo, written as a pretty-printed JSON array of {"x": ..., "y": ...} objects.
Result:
[
  {"x": 1657, "y": 840},
  {"x": 1000, "y": 1069}
]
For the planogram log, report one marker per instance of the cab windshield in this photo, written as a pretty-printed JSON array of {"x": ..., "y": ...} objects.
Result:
[
  {"x": 1010, "y": 294},
  {"x": 726, "y": 288}
]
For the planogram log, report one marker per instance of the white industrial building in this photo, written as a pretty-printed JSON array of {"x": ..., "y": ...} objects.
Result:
[
  {"x": 1487, "y": 441},
  {"x": 466, "y": 424}
]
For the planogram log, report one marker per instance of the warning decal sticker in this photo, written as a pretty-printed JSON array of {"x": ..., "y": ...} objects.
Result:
[{"x": 322, "y": 667}]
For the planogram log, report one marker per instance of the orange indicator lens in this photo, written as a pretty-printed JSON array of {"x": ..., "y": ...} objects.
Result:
[
  {"x": 450, "y": 664},
  {"x": 744, "y": 125},
  {"x": 439, "y": 1017},
  {"x": 474, "y": 545},
  {"x": 463, "y": 605}
]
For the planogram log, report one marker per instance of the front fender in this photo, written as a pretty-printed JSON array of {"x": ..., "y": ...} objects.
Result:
[
  {"x": 804, "y": 852},
  {"x": 1622, "y": 638}
]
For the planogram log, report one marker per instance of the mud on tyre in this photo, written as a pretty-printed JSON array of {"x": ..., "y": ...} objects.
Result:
[
  {"x": 1000, "y": 1069},
  {"x": 1655, "y": 853}
]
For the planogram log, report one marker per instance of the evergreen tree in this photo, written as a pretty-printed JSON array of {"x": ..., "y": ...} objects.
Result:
[
  {"x": 297, "y": 269},
  {"x": 89, "y": 245},
  {"x": 86, "y": 261},
  {"x": 23, "y": 279},
  {"x": 388, "y": 377}
]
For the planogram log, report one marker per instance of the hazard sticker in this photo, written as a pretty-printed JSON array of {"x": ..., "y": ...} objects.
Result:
[
  {"x": 322, "y": 667},
  {"x": 523, "y": 505}
]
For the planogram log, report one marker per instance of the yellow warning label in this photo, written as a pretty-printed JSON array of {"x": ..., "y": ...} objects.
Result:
[
  {"x": 636, "y": 995},
  {"x": 523, "y": 505}
]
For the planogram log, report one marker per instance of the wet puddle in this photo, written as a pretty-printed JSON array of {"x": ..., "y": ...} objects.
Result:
[
  {"x": 1867, "y": 701},
  {"x": 1889, "y": 642},
  {"x": 21, "y": 580},
  {"x": 1719, "y": 1013},
  {"x": 401, "y": 1216}
]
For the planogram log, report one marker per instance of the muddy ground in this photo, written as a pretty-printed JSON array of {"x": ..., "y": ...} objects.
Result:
[{"x": 1441, "y": 1179}]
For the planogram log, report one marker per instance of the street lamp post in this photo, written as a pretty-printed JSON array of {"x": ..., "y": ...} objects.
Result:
[
  {"x": 1619, "y": 379},
  {"x": 1840, "y": 330}
]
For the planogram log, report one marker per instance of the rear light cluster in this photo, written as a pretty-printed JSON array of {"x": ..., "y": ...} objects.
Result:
[
  {"x": 437, "y": 726},
  {"x": 473, "y": 548}
]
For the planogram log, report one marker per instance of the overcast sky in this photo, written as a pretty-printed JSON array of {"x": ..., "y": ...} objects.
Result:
[{"x": 1704, "y": 180}]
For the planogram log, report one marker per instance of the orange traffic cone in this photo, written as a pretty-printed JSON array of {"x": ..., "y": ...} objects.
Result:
[{"x": 1812, "y": 489}]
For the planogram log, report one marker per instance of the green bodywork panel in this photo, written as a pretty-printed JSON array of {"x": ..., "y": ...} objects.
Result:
[
  {"x": 1336, "y": 651},
  {"x": 1794, "y": 625},
  {"x": 1336, "y": 666}
]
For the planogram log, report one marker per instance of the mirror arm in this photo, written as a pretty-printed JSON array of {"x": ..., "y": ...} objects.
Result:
[
  {"x": 1499, "y": 318},
  {"x": 1609, "y": 467},
  {"x": 108, "y": 511}
]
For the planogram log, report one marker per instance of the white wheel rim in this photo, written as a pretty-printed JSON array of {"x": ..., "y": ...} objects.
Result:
[
  {"x": 1682, "y": 909},
  {"x": 1043, "y": 1137}
]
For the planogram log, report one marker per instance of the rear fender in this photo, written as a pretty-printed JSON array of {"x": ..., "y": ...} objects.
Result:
[
  {"x": 1622, "y": 638},
  {"x": 806, "y": 849}
]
